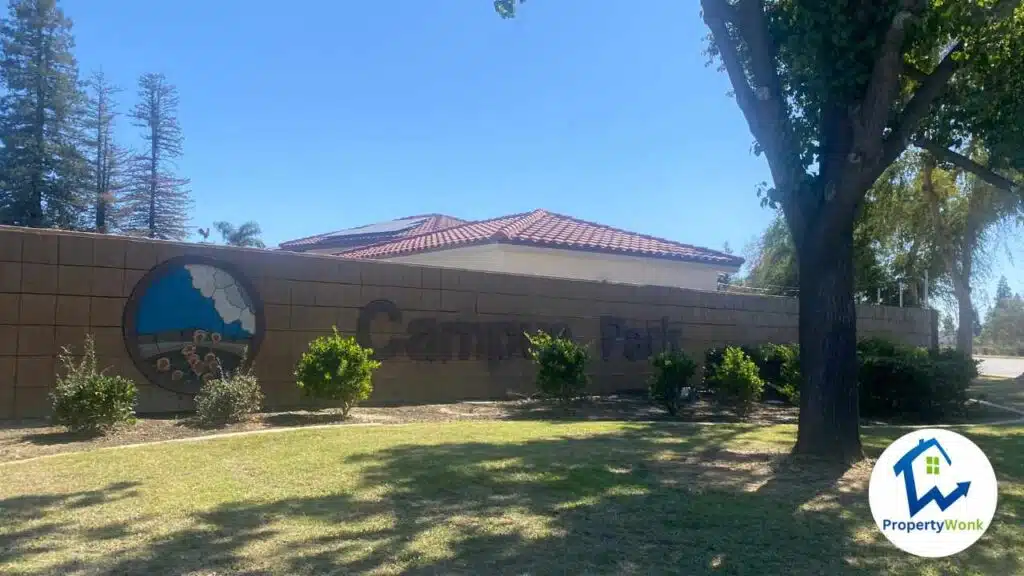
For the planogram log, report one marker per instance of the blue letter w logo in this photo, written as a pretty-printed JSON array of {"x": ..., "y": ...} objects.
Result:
[{"x": 904, "y": 466}]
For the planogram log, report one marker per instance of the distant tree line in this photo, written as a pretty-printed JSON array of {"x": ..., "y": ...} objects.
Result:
[
  {"x": 60, "y": 163},
  {"x": 921, "y": 229},
  {"x": 1003, "y": 331}
]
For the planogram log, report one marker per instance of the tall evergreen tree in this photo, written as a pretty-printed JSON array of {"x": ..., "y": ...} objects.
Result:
[
  {"x": 1003, "y": 291},
  {"x": 40, "y": 111},
  {"x": 107, "y": 160},
  {"x": 157, "y": 202}
]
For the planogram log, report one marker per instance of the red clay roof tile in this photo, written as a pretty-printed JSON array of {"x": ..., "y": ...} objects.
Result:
[{"x": 543, "y": 228}]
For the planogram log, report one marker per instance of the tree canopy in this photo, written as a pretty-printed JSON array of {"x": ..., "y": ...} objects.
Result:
[
  {"x": 245, "y": 235},
  {"x": 834, "y": 93},
  {"x": 41, "y": 168}
]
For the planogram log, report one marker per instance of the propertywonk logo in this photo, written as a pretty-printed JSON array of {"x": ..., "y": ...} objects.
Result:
[{"x": 933, "y": 493}]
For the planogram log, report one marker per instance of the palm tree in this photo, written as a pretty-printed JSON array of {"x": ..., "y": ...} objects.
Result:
[{"x": 246, "y": 235}]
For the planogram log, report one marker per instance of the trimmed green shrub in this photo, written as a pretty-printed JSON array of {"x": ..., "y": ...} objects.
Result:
[
  {"x": 561, "y": 363},
  {"x": 229, "y": 398},
  {"x": 673, "y": 372},
  {"x": 737, "y": 382},
  {"x": 913, "y": 384},
  {"x": 87, "y": 400},
  {"x": 337, "y": 368},
  {"x": 713, "y": 358},
  {"x": 780, "y": 367}
]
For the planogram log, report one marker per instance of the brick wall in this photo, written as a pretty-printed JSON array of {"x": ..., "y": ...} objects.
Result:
[{"x": 443, "y": 334}]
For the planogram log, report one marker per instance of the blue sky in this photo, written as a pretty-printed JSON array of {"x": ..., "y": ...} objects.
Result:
[{"x": 321, "y": 115}]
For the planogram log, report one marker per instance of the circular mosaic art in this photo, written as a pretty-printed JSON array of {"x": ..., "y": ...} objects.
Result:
[{"x": 190, "y": 319}]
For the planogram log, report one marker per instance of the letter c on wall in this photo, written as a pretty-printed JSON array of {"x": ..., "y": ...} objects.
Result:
[{"x": 366, "y": 315}]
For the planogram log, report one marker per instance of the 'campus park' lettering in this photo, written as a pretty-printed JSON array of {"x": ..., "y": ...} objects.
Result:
[{"x": 428, "y": 339}]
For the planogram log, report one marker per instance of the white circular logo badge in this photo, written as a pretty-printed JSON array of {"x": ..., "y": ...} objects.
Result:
[{"x": 933, "y": 493}]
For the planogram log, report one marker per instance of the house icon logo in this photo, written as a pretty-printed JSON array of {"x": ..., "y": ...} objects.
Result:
[{"x": 933, "y": 493}]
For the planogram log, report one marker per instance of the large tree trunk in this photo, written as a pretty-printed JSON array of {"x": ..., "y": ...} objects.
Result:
[
  {"x": 101, "y": 204},
  {"x": 965, "y": 331},
  {"x": 829, "y": 411},
  {"x": 962, "y": 276}
]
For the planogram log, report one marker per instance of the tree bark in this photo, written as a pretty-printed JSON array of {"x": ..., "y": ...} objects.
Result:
[
  {"x": 101, "y": 204},
  {"x": 962, "y": 276},
  {"x": 829, "y": 406},
  {"x": 965, "y": 331}
]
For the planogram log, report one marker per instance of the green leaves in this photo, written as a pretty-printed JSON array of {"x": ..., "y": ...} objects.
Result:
[
  {"x": 912, "y": 384},
  {"x": 40, "y": 113},
  {"x": 87, "y": 400},
  {"x": 246, "y": 235},
  {"x": 337, "y": 368},
  {"x": 673, "y": 371},
  {"x": 561, "y": 365},
  {"x": 738, "y": 381},
  {"x": 228, "y": 399},
  {"x": 507, "y": 8}
]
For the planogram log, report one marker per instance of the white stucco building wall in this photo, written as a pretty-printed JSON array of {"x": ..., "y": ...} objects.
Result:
[{"x": 574, "y": 264}]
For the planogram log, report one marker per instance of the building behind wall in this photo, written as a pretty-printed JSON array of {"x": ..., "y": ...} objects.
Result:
[{"x": 442, "y": 333}]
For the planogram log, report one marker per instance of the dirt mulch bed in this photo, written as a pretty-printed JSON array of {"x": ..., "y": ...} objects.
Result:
[{"x": 30, "y": 439}]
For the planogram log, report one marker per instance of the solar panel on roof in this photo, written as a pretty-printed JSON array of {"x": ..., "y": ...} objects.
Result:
[{"x": 380, "y": 227}]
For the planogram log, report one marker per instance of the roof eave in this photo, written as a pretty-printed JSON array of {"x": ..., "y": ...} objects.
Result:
[{"x": 735, "y": 264}]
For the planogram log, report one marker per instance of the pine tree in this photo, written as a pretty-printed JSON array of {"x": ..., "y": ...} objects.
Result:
[
  {"x": 1003, "y": 292},
  {"x": 108, "y": 161},
  {"x": 157, "y": 202},
  {"x": 40, "y": 110}
]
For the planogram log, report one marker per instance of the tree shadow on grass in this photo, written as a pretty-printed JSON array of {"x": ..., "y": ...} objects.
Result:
[
  {"x": 651, "y": 499},
  {"x": 19, "y": 510},
  {"x": 648, "y": 500}
]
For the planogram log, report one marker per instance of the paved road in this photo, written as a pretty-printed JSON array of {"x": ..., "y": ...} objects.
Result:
[{"x": 1005, "y": 367}]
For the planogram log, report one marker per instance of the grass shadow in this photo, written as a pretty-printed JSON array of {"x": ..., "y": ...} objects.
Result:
[
  {"x": 19, "y": 510},
  {"x": 649, "y": 499},
  {"x": 63, "y": 437},
  {"x": 639, "y": 408},
  {"x": 304, "y": 418}
]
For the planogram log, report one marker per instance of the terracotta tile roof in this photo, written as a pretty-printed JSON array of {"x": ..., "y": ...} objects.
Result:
[
  {"x": 543, "y": 228},
  {"x": 375, "y": 233}
]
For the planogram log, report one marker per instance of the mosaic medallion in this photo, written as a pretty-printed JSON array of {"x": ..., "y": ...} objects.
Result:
[{"x": 189, "y": 319}]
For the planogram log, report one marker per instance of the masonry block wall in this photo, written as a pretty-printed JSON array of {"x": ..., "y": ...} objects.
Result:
[{"x": 442, "y": 334}]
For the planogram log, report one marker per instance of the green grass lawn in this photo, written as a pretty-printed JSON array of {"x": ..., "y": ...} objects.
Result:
[
  {"x": 476, "y": 498},
  {"x": 1003, "y": 391}
]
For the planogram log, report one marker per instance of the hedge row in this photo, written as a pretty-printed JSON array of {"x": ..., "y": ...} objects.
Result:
[{"x": 896, "y": 382}]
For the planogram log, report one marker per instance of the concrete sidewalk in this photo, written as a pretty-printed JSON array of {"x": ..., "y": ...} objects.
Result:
[{"x": 1001, "y": 366}]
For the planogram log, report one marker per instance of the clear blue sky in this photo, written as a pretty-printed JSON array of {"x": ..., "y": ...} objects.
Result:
[{"x": 321, "y": 115}]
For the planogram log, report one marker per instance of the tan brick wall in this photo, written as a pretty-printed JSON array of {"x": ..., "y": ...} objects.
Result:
[{"x": 456, "y": 334}]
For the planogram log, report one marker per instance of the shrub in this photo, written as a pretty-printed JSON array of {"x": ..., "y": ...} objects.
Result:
[
  {"x": 673, "y": 372},
  {"x": 337, "y": 368},
  {"x": 780, "y": 367},
  {"x": 913, "y": 384},
  {"x": 737, "y": 381},
  {"x": 87, "y": 400},
  {"x": 561, "y": 363},
  {"x": 229, "y": 398},
  {"x": 714, "y": 357}
]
